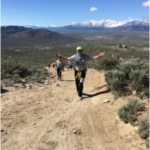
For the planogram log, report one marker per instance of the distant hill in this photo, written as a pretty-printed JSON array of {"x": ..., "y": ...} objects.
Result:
[
  {"x": 16, "y": 36},
  {"x": 5, "y": 31}
]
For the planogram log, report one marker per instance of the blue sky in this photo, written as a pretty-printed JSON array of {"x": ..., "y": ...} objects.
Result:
[{"x": 62, "y": 12}]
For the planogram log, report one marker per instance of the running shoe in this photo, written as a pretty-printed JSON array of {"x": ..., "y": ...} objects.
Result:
[{"x": 80, "y": 97}]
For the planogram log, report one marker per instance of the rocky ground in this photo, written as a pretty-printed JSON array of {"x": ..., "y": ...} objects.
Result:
[{"x": 51, "y": 117}]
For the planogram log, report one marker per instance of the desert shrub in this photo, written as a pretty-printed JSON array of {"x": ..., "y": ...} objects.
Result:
[
  {"x": 128, "y": 76},
  {"x": 146, "y": 92},
  {"x": 108, "y": 63},
  {"x": 147, "y": 144},
  {"x": 144, "y": 131},
  {"x": 143, "y": 135},
  {"x": 16, "y": 72},
  {"x": 144, "y": 127},
  {"x": 128, "y": 113},
  {"x": 8, "y": 82}
]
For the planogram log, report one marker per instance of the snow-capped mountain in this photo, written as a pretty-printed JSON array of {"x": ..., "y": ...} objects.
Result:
[
  {"x": 130, "y": 25},
  {"x": 110, "y": 23},
  {"x": 102, "y": 23}
]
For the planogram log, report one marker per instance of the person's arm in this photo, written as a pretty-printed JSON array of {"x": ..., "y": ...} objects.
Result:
[
  {"x": 62, "y": 58},
  {"x": 100, "y": 55}
]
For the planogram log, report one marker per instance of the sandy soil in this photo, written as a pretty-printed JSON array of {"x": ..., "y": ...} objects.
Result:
[{"x": 53, "y": 117}]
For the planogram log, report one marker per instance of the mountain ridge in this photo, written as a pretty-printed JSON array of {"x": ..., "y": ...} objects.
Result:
[
  {"x": 21, "y": 36},
  {"x": 130, "y": 25}
]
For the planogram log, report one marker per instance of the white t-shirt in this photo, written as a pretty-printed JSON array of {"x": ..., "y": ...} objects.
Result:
[
  {"x": 69, "y": 62},
  {"x": 80, "y": 62}
]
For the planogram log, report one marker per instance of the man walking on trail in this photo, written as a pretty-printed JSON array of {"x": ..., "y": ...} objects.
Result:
[
  {"x": 53, "y": 65},
  {"x": 69, "y": 65},
  {"x": 49, "y": 65},
  {"x": 80, "y": 67}
]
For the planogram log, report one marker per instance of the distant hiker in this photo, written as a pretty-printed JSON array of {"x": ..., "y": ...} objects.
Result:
[
  {"x": 49, "y": 65},
  {"x": 60, "y": 68},
  {"x": 69, "y": 65},
  {"x": 53, "y": 65},
  {"x": 80, "y": 67}
]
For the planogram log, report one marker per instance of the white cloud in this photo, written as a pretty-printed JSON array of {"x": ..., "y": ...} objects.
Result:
[
  {"x": 93, "y": 9},
  {"x": 146, "y": 4}
]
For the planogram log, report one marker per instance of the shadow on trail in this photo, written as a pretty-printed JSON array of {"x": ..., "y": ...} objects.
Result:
[
  {"x": 68, "y": 80},
  {"x": 4, "y": 91},
  {"x": 96, "y": 94}
]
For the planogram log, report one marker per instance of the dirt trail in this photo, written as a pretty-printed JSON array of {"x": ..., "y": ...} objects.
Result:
[{"x": 55, "y": 119}]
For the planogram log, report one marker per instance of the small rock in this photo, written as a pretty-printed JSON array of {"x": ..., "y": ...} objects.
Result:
[
  {"x": 51, "y": 76},
  {"x": 62, "y": 134},
  {"x": 74, "y": 131},
  {"x": 46, "y": 82},
  {"x": 42, "y": 88},
  {"x": 106, "y": 101},
  {"x": 57, "y": 84},
  {"x": 28, "y": 86},
  {"x": 34, "y": 124},
  {"x": 136, "y": 129},
  {"x": 2, "y": 130},
  {"x": 134, "y": 93},
  {"x": 121, "y": 59},
  {"x": 38, "y": 102}
]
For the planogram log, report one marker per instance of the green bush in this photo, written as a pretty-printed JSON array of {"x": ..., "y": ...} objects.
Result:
[
  {"x": 143, "y": 135},
  {"x": 144, "y": 127},
  {"x": 128, "y": 76},
  {"x": 144, "y": 131},
  {"x": 16, "y": 72},
  {"x": 146, "y": 92},
  {"x": 147, "y": 143},
  {"x": 128, "y": 113},
  {"x": 8, "y": 82},
  {"x": 107, "y": 63}
]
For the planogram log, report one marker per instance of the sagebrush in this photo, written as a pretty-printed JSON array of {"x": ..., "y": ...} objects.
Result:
[
  {"x": 128, "y": 113},
  {"x": 14, "y": 72},
  {"x": 129, "y": 76}
]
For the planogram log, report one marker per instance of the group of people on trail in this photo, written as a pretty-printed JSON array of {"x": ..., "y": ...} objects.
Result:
[
  {"x": 79, "y": 68},
  {"x": 49, "y": 65},
  {"x": 60, "y": 67}
]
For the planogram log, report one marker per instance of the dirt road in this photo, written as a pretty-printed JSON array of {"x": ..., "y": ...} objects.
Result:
[{"x": 53, "y": 117}]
